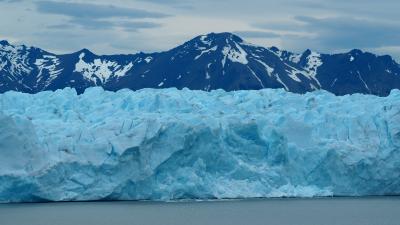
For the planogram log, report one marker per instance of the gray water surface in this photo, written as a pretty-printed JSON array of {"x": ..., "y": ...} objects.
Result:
[{"x": 332, "y": 211}]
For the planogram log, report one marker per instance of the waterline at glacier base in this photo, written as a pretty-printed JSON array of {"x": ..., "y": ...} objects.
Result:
[{"x": 173, "y": 144}]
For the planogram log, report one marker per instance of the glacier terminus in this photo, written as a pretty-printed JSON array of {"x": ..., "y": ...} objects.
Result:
[{"x": 169, "y": 144}]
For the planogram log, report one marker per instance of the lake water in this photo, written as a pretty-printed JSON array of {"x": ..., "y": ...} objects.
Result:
[{"x": 324, "y": 211}]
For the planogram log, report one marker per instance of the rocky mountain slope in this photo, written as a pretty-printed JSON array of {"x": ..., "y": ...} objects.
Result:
[{"x": 208, "y": 62}]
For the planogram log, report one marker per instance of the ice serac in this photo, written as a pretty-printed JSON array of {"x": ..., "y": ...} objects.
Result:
[{"x": 169, "y": 144}]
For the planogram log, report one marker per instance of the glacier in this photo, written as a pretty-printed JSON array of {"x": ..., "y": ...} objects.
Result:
[{"x": 169, "y": 144}]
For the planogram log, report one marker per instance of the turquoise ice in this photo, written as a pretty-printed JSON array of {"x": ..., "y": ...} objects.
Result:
[{"x": 179, "y": 144}]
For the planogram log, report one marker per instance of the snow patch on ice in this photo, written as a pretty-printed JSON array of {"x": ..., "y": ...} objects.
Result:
[
  {"x": 269, "y": 69},
  {"x": 148, "y": 59},
  {"x": 213, "y": 49},
  {"x": 293, "y": 73},
  {"x": 125, "y": 69},
  {"x": 281, "y": 82},
  {"x": 295, "y": 58},
  {"x": 237, "y": 54},
  {"x": 362, "y": 80},
  {"x": 313, "y": 63},
  {"x": 48, "y": 63},
  {"x": 257, "y": 78},
  {"x": 100, "y": 69},
  {"x": 15, "y": 60},
  {"x": 203, "y": 39}
]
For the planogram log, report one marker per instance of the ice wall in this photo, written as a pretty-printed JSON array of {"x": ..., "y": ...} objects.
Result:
[{"x": 170, "y": 144}]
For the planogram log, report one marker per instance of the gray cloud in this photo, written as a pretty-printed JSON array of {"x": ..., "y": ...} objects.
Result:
[
  {"x": 154, "y": 25},
  {"x": 347, "y": 32},
  {"x": 333, "y": 34},
  {"x": 10, "y": 1},
  {"x": 256, "y": 34},
  {"x": 136, "y": 25},
  {"x": 98, "y": 17},
  {"x": 292, "y": 25},
  {"x": 94, "y": 24},
  {"x": 364, "y": 8},
  {"x": 63, "y": 26},
  {"x": 133, "y": 26},
  {"x": 187, "y": 4},
  {"x": 94, "y": 11}
]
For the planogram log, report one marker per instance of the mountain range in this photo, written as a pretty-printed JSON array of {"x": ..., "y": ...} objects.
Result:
[{"x": 207, "y": 62}]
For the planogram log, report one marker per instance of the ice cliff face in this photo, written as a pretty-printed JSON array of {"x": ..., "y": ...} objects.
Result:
[{"x": 168, "y": 144}]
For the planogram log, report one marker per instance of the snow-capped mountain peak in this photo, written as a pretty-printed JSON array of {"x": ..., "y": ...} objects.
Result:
[{"x": 207, "y": 62}]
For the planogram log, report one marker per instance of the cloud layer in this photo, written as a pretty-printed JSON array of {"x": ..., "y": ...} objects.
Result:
[
  {"x": 93, "y": 11},
  {"x": 127, "y": 26}
]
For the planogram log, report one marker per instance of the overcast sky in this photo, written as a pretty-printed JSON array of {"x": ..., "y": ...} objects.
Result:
[{"x": 129, "y": 26}]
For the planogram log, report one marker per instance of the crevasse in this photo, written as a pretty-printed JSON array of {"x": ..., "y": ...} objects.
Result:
[{"x": 179, "y": 144}]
